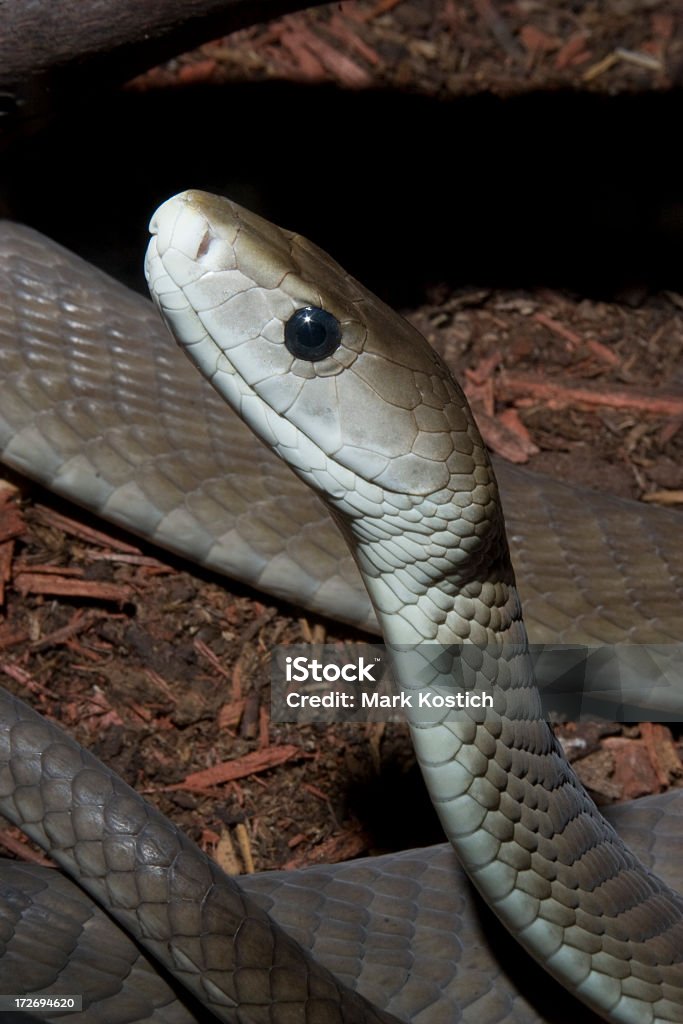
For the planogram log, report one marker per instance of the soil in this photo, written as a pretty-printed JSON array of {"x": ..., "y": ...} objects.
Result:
[
  {"x": 162, "y": 670},
  {"x": 446, "y": 48}
]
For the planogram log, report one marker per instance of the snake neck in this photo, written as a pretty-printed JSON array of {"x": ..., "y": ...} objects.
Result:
[
  {"x": 525, "y": 830},
  {"x": 437, "y": 567}
]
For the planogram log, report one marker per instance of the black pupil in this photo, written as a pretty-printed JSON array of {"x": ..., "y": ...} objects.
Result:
[{"x": 312, "y": 333}]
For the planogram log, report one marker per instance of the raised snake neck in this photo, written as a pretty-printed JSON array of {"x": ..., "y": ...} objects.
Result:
[
  {"x": 19, "y": 400},
  {"x": 379, "y": 429}
]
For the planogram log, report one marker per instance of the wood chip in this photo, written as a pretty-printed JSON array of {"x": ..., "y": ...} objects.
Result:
[
  {"x": 250, "y": 764},
  {"x": 48, "y": 517},
  {"x": 81, "y": 621},
  {"x": 595, "y": 70},
  {"x": 347, "y": 72},
  {"x": 225, "y": 855},
  {"x": 230, "y": 714},
  {"x": 511, "y": 444},
  {"x": 662, "y": 751},
  {"x": 337, "y": 848},
  {"x": 634, "y": 772},
  {"x": 66, "y": 586},
  {"x": 573, "y": 340},
  {"x": 341, "y": 28},
  {"x": 572, "y": 52},
  {"x": 6, "y": 557},
  {"x": 664, "y": 497},
  {"x": 204, "y": 651},
  {"x": 537, "y": 41},
  {"x": 22, "y": 850},
  {"x": 9, "y": 636},
  {"x": 11, "y": 521},
  {"x": 532, "y": 385},
  {"x": 641, "y": 60},
  {"x": 245, "y": 848}
]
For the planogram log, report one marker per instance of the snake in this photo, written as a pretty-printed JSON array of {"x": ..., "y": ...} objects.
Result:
[{"x": 309, "y": 359}]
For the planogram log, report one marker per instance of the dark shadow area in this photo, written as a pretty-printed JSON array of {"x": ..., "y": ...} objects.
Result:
[
  {"x": 566, "y": 190},
  {"x": 393, "y": 806}
]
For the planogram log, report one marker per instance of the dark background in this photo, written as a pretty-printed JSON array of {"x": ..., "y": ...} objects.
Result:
[{"x": 565, "y": 189}]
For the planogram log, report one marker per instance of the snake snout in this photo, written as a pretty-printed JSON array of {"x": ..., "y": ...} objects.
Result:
[{"x": 178, "y": 224}]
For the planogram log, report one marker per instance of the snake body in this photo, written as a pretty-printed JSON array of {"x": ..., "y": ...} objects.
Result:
[
  {"x": 531, "y": 840},
  {"x": 192, "y": 918}
]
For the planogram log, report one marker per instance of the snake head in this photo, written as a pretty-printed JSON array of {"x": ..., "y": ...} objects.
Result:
[
  {"x": 305, "y": 354},
  {"x": 348, "y": 393}
]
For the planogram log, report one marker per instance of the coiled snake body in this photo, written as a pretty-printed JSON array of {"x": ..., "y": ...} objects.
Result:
[{"x": 374, "y": 423}]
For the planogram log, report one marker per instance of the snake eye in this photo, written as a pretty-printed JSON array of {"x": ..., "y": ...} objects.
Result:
[{"x": 312, "y": 334}]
